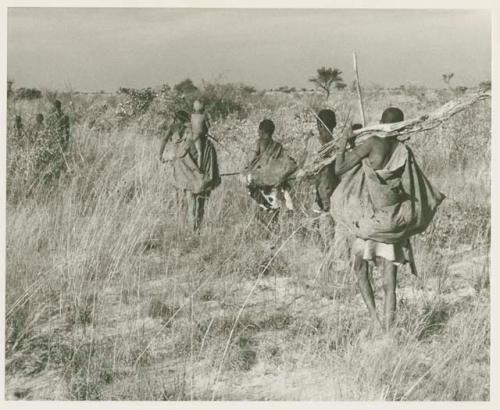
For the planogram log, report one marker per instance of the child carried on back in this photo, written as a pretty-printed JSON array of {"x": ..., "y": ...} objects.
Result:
[{"x": 199, "y": 127}]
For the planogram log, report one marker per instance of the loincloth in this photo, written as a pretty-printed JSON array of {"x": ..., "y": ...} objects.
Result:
[{"x": 397, "y": 253}]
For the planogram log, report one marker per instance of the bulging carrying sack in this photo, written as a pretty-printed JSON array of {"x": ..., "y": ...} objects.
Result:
[
  {"x": 388, "y": 205},
  {"x": 272, "y": 173}
]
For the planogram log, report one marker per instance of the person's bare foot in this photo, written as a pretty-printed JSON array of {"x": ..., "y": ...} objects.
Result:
[{"x": 374, "y": 330}]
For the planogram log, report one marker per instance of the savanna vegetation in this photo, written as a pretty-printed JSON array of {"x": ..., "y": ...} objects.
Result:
[{"x": 111, "y": 297}]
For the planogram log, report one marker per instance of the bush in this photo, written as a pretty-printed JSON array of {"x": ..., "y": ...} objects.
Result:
[
  {"x": 286, "y": 89},
  {"x": 185, "y": 87},
  {"x": 28, "y": 93},
  {"x": 485, "y": 85},
  {"x": 137, "y": 103},
  {"x": 221, "y": 100}
]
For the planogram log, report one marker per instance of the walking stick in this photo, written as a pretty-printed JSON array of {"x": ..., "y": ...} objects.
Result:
[{"x": 358, "y": 87}]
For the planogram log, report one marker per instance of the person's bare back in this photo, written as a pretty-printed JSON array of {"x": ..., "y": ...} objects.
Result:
[{"x": 381, "y": 150}]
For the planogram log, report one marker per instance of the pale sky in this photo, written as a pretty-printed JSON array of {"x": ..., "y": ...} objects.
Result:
[{"x": 103, "y": 49}]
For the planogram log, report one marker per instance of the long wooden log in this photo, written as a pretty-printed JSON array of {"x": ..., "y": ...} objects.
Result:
[{"x": 402, "y": 130}]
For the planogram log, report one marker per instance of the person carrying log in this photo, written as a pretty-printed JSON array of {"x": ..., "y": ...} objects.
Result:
[
  {"x": 267, "y": 172},
  {"x": 383, "y": 198},
  {"x": 195, "y": 168},
  {"x": 325, "y": 181}
]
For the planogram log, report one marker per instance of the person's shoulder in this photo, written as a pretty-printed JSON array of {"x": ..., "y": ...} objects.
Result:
[
  {"x": 375, "y": 142},
  {"x": 374, "y": 139}
]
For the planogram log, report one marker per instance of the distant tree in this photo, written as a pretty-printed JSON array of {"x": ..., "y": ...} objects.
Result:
[
  {"x": 326, "y": 78},
  {"x": 185, "y": 87},
  {"x": 447, "y": 78},
  {"x": 485, "y": 85},
  {"x": 248, "y": 89},
  {"x": 340, "y": 86},
  {"x": 124, "y": 90},
  {"x": 28, "y": 93},
  {"x": 286, "y": 89}
]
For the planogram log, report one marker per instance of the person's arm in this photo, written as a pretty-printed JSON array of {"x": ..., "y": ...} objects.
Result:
[
  {"x": 256, "y": 155},
  {"x": 164, "y": 141},
  {"x": 208, "y": 121},
  {"x": 347, "y": 160}
]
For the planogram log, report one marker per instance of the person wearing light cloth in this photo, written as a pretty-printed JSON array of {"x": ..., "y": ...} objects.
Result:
[
  {"x": 268, "y": 170},
  {"x": 383, "y": 199},
  {"x": 195, "y": 168}
]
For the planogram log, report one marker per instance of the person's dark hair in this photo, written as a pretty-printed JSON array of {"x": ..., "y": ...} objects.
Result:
[
  {"x": 328, "y": 118},
  {"x": 57, "y": 104},
  {"x": 181, "y": 116},
  {"x": 356, "y": 126},
  {"x": 267, "y": 126},
  {"x": 392, "y": 114}
]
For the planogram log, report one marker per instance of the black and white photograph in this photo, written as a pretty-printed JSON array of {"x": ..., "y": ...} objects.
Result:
[{"x": 247, "y": 204}]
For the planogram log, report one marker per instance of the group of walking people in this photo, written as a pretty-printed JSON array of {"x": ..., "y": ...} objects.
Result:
[
  {"x": 374, "y": 189},
  {"x": 55, "y": 125}
]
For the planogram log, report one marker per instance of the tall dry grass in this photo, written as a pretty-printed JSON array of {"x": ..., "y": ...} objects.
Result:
[{"x": 109, "y": 295}]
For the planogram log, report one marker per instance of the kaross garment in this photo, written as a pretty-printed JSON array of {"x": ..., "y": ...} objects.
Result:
[
  {"x": 266, "y": 177},
  {"x": 388, "y": 205},
  {"x": 188, "y": 175},
  {"x": 271, "y": 166}
]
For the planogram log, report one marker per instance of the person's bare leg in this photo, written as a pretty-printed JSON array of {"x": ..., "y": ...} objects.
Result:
[
  {"x": 390, "y": 279},
  {"x": 191, "y": 209},
  {"x": 360, "y": 267},
  {"x": 197, "y": 144},
  {"x": 199, "y": 211}
]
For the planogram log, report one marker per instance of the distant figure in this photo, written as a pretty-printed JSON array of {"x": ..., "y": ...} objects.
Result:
[
  {"x": 58, "y": 124},
  {"x": 39, "y": 120},
  {"x": 38, "y": 128},
  {"x": 195, "y": 171},
  {"x": 269, "y": 169},
  {"x": 383, "y": 198},
  {"x": 18, "y": 127}
]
